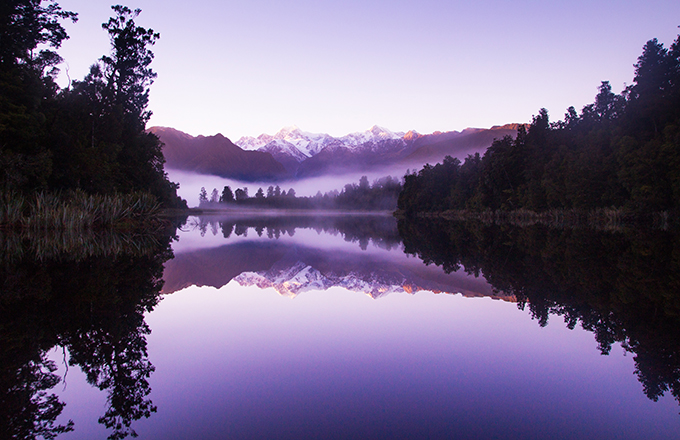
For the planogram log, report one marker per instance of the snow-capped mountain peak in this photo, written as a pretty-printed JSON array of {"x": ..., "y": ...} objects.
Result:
[
  {"x": 307, "y": 143},
  {"x": 384, "y": 133},
  {"x": 312, "y": 143},
  {"x": 282, "y": 147},
  {"x": 373, "y": 135},
  {"x": 251, "y": 143},
  {"x": 290, "y": 132}
]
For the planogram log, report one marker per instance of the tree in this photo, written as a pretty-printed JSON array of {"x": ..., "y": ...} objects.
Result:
[
  {"x": 91, "y": 136},
  {"x": 214, "y": 196},
  {"x": 127, "y": 76},
  {"x": 127, "y": 69},
  {"x": 241, "y": 194},
  {"x": 203, "y": 196},
  {"x": 227, "y": 195},
  {"x": 651, "y": 70},
  {"x": 608, "y": 105},
  {"x": 653, "y": 73},
  {"x": 25, "y": 25},
  {"x": 259, "y": 194},
  {"x": 28, "y": 33},
  {"x": 363, "y": 183}
]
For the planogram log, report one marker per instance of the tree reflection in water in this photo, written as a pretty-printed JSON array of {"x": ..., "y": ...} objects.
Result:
[
  {"x": 362, "y": 229},
  {"x": 91, "y": 305},
  {"x": 623, "y": 286}
]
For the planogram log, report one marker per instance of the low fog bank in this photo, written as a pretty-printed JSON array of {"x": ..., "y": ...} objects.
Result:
[
  {"x": 191, "y": 183},
  {"x": 222, "y": 212}
]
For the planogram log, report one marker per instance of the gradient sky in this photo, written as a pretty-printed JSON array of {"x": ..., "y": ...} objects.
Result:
[{"x": 251, "y": 67}]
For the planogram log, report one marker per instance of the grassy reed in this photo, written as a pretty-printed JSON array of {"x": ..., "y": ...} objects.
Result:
[{"x": 77, "y": 211}]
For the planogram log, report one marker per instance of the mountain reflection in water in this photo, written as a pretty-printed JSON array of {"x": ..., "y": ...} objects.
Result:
[
  {"x": 298, "y": 254},
  {"x": 243, "y": 362}
]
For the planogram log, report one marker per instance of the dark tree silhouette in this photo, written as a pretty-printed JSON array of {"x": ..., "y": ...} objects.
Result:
[
  {"x": 227, "y": 196},
  {"x": 621, "y": 152},
  {"x": 89, "y": 136}
]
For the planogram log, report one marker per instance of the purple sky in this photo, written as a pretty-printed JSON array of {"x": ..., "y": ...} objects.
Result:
[{"x": 251, "y": 67}]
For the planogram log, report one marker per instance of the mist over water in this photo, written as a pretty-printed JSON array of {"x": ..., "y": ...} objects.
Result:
[{"x": 191, "y": 183}]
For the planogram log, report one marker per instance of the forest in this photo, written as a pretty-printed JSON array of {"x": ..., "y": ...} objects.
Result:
[
  {"x": 379, "y": 196},
  {"x": 88, "y": 137},
  {"x": 621, "y": 152}
]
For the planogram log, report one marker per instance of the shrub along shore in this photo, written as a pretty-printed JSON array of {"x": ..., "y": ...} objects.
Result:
[{"x": 78, "y": 211}]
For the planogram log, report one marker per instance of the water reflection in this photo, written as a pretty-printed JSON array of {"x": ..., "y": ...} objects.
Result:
[
  {"x": 377, "y": 229},
  {"x": 622, "y": 286},
  {"x": 92, "y": 296},
  {"x": 306, "y": 253},
  {"x": 87, "y": 297}
]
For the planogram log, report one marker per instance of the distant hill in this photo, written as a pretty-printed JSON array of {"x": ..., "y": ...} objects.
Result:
[
  {"x": 433, "y": 148},
  {"x": 216, "y": 155}
]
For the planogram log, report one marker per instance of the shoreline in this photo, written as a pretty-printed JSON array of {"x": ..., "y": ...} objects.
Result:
[
  {"x": 280, "y": 212},
  {"x": 600, "y": 218}
]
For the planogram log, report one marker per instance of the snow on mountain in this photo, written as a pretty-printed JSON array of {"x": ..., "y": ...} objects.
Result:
[
  {"x": 307, "y": 143},
  {"x": 251, "y": 143},
  {"x": 279, "y": 147},
  {"x": 411, "y": 135},
  {"x": 312, "y": 143},
  {"x": 373, "y": 135}
]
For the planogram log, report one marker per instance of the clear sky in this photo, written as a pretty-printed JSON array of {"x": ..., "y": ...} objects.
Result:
[{"x": 246, "y": 67}]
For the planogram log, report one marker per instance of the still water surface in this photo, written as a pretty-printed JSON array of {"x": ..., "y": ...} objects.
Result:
[{"x": 326, "y": 328}]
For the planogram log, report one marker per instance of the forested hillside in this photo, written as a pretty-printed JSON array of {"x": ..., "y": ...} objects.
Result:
[
  {"x": 622, "y": 151},
  {"x": 89, "y": 136}
]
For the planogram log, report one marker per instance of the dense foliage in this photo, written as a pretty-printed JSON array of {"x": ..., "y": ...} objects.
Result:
[
  {"x": 621, "y": 151},
  {"x": 90, "y": 136}
]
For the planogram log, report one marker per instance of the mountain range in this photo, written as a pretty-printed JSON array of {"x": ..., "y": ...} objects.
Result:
[{"x": 295, "y": 154}]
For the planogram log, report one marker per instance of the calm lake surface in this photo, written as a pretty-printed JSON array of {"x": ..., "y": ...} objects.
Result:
[{"x": 333, "y": 327}]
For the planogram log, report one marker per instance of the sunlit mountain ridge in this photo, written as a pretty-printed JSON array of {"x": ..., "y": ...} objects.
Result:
[{"x": 296, "y": 154}]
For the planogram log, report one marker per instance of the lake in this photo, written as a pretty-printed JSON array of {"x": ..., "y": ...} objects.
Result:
[{"x": 344, "y": 326}]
